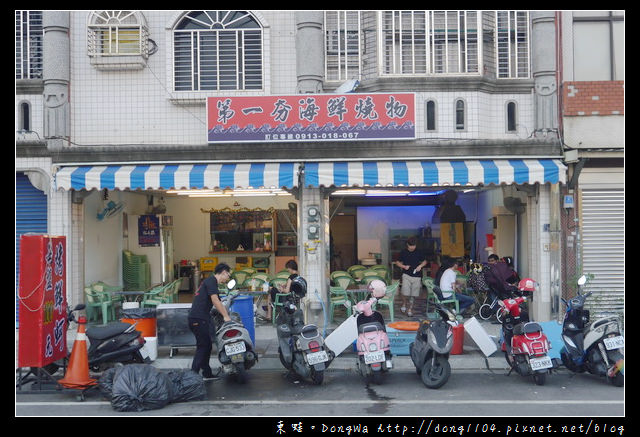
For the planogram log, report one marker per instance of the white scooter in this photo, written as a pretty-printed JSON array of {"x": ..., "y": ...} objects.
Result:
[
  {"x": 235, "y": 348},
  {"x": 596, "y": 347}
]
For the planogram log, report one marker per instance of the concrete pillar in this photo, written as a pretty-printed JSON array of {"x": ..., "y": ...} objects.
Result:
[
  {"x": 56, "y": 74},
  {"x": 543, "y": 69},
  {"x": 309, "y": 51},
  {"x": 314, "y": 253}
]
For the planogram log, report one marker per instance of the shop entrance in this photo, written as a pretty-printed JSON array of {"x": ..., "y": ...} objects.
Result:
[{"x": 343, "y": 241}]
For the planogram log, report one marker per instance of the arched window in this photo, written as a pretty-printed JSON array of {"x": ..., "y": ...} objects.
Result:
[
  {"x": 217, "y": 50},
  {"x": 431, "y": 115},
  {"x": 511, "y": 117},
  {"x": 460, "y": 114},
  {"x": 117, "y": 33},
  {"x": 24, "y": 116}
]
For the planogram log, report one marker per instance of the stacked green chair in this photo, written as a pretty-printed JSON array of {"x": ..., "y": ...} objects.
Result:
[
  {"x": 389, "y": 297},
  {"x": 356, "y": 271},
  {"x": 283, "y": 274},
  {"x": 136, "y": 272},
  {"x": 338, "y": 273}
]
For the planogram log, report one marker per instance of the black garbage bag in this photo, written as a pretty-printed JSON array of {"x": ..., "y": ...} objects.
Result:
[
  {"x": 187, "y": 386},
  {"x": 138, "y": 313},
  {"x": 139, "y": 387},
  {"x": 105, "y": 383}
]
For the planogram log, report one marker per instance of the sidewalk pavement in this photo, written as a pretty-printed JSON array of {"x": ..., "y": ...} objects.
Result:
[{"x": 472, "y": 357}]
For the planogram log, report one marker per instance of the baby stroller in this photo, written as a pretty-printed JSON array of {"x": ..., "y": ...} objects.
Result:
[{"x": 487, "y": 280}]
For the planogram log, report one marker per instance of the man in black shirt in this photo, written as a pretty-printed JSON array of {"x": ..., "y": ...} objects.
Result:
[
  {"x": 411, "y": 262},
  {"x": 205, "y": 298}
]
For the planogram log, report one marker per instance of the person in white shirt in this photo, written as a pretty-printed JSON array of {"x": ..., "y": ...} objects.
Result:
[{"x": 448, "y": 286}]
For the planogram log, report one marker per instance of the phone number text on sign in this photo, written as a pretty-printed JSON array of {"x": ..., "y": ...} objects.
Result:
[{"x": 311, "y": 117}]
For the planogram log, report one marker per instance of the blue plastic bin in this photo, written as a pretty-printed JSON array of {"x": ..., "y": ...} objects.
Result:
[{"x": 243, "y": 305}]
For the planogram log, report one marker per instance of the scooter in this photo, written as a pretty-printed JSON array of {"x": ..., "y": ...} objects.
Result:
[
  {"x": 430, "y": 350},
  {"x": 596, "y": 348},
  {"x": 524, "y": 344},
  {"x": 115, "y": 342},
  {"x": 235, "y": 348},
  {"x": 301, "y": 348},
  {"x": 373, "y": 346}
]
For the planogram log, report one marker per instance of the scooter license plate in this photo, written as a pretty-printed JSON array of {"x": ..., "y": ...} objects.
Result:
[
  {"x": 614, "y": 342},
  {"x": 317, "y": 357},
  {"x": 540, "y": 363},
  {"x": 374, "y": 357},
  {"x": 235, "y": 348}
]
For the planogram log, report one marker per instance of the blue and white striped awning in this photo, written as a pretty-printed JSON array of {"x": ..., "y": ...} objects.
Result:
[
  {"x": 434, "y": 173},
  {"x": 174, "y": 176}
]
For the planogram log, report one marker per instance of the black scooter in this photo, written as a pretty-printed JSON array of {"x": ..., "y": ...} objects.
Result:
[
  {"x": 301, "y": 347},
  {"x": 430, "y": 350},
  {"x": 115, "y": 342}
]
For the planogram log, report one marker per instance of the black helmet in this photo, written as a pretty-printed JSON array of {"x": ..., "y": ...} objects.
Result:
[{"x": 299, "y": 286}]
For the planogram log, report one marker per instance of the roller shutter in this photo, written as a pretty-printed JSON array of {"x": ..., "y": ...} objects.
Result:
[
  {"x": 603, "y": 248},
  {"x": 31, "y": 216}
]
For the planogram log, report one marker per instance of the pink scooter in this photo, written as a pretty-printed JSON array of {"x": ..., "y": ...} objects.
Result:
[{"x": 374, "y": 354}]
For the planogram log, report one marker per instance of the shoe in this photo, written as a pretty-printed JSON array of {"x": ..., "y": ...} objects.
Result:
[
  {"x": 410, "y": 313},
  {"x": 403, "y": 309},
  {"x": 211, "y": 376}
]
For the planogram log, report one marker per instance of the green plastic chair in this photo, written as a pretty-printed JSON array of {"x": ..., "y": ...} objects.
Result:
[
  {"x": 338, "y": 273},
  {"x": 370, "y": 275},
  {"x": 343, "y": 281},
  {"x": 240, "y": 276},
  {"x": 99, "y": 303},
  {"x": 389, "y": 297},
  {"x": 429, "y": 283},
  {"x": 156, "y": 296},
  {"x": 338, "y": 297},
  {"x": 382, "y": 271},
  {"x": 276, "y": 304},
  {"x": 356, "y": 271},
  {"x": 283, "y": 274},
  {"x": 249, "y": 270}
]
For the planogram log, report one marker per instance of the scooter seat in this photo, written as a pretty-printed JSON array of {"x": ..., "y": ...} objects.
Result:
[
  {"x": 526, "y": 328},
  {"x": 102, "y": 332}
]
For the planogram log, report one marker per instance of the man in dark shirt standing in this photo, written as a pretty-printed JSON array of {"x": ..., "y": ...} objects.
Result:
[
  {"x": 206, "y": 297},
  {"x": 411, "y": 262}
]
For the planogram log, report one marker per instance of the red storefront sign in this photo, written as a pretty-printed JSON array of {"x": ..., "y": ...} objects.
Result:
[
  {"x": 42, "y": 300},
  {"x": 311, "y": 117}
]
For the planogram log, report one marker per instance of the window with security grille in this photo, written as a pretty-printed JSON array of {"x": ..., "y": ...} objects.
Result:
[
  {"x": 342, "y": 45},
  {"x": 117, "y": 33},
  {"x": 512, "y": 44},
  {"x": 217, "y": 50},
  {"x": 29, "y": 35},
  {"x": 429, "y": 42}
]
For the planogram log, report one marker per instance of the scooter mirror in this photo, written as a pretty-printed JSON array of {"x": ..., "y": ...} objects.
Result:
[
  {"x": 231, "y": 284},
  {"x": 79, "y": 307},
  {"x": 582, "y": 280}
]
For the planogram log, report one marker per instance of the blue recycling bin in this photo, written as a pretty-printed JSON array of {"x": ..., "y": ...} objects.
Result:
[{"x": 243, "y": 305}]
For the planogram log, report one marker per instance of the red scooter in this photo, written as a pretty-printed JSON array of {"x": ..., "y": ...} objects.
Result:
[{"x": 524, "y": 344}]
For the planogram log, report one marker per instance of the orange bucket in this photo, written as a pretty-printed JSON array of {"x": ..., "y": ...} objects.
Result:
[
  {"x": 458, "y": 340},
  {"x": 147, "y": 326}
]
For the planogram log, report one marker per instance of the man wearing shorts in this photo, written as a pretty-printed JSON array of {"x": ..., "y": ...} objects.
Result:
[{"x": 411, "y": 262}]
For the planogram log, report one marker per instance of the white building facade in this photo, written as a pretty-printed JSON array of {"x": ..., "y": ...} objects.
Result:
[{"x": 123, "y": 94}]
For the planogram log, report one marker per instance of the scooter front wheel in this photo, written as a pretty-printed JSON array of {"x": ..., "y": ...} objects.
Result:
[{"x": 436, "y": 372}]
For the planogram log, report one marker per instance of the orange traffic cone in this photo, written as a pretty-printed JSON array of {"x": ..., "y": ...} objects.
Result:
[{"x": 77, "y": 375}]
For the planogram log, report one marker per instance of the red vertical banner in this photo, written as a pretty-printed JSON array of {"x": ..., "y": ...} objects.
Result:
[{"x": 42, "y": 300}]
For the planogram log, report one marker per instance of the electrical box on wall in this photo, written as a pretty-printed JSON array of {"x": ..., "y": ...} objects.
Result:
[
  {"x": 313, "y": 231},
  {"x": 313, "y": 213}
]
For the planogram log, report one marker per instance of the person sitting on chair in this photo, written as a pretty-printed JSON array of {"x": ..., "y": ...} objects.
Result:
[
  {"x": 448, "y": 286},
  {"x": 292, "y": 267}
]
